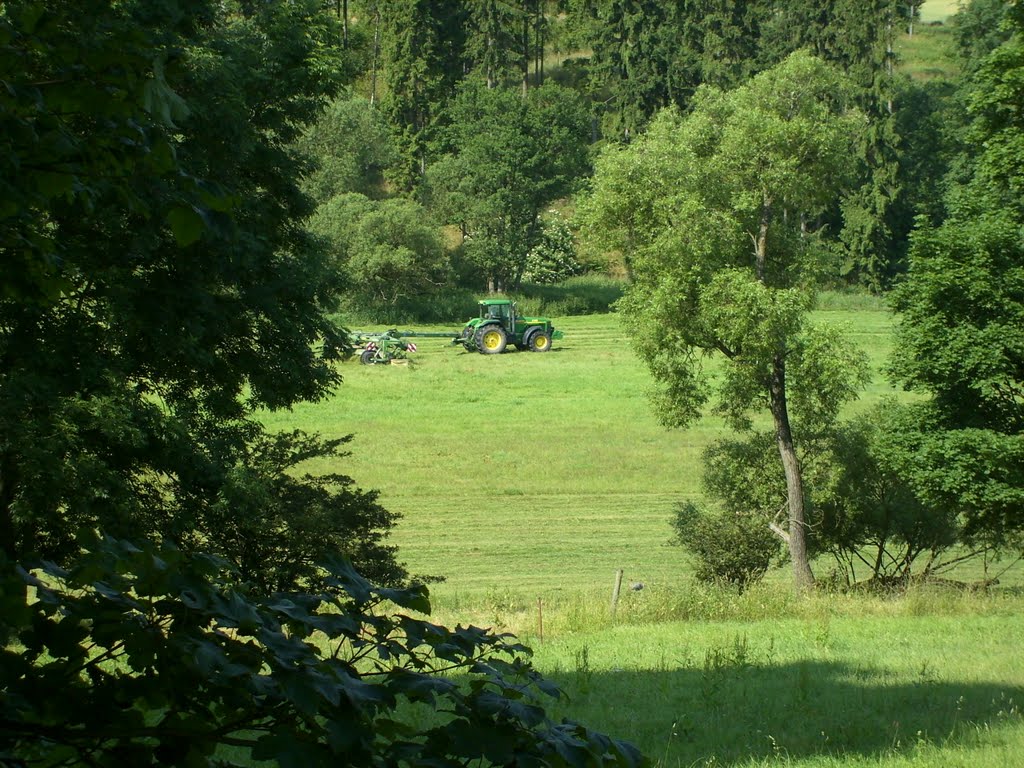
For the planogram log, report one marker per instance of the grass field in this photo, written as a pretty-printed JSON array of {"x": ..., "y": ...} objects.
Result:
[
  {"x": 536, "y": 475},
  {"x": 825, "y": 690},
  {"x": 528, "y": 479},
  {"x": 939, "y": 10}
]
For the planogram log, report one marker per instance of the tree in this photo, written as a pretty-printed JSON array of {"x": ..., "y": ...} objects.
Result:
[
  {"x": 960, "y": 319},
  {"x": 422, "y": 52},
  {"x": 554, "y": 258},
  {"x": 717, "y": 209},
  {"x": 506, "y": 157},
  {"x": 158, "y": 288},
  {"x": 490, "y": 44},
  {"x": 649, "y": 55},
  {"x": 390, "y": 251},
  {"x": 868, "y": 514},
  {"x": 628, "y": 64},
  {"x": 351, "y": 147},
  {"x": 979, "y": 30}
]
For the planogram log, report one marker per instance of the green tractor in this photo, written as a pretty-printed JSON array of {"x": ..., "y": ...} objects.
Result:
[{"x": 500, "y": 325}]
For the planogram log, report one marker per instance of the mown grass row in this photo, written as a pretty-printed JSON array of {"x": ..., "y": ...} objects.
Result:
[{"x": 536, "y": 474}]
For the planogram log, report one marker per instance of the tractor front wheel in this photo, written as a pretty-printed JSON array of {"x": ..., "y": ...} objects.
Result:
[
  {"x": 491, "y": 339},
  {"x": 540, "y": 341},
  {"x": 368, "y": 357}
]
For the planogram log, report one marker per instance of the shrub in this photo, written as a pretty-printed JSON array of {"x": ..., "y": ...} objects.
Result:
[
  {"x": 729, "y": 548},
  {"x": 155, "y": 657},
  {"x": 553, "y": 259}
]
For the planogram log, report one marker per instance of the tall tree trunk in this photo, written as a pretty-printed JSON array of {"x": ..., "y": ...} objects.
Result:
[
  {"x": 373, "y": 65},
  {"x": 761, "y": 238},
  {"x": 803, "y": 577},
  {"x": 526, "y": 53},
  {"x": 7, "y": 533}
]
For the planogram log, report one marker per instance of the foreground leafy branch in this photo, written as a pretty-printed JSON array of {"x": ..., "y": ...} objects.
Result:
[{"x": 149, "y": 656}]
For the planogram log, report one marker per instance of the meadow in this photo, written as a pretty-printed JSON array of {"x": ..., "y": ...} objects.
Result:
[
  {"x": 527, "y": 480},
  {"x": 539, "y": 474},
  {"x": 938, "y": 10}
]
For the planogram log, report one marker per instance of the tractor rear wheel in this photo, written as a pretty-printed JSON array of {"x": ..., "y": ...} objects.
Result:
[
  {"x": 368, "y": 357},
  {"x": 491, "y": 339},
  {"x": 539, "y": 341}
]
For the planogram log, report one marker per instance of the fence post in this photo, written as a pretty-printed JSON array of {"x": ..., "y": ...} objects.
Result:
[
  {"x": 616, "y": 589},
  {"x": 540, "y": 620}
]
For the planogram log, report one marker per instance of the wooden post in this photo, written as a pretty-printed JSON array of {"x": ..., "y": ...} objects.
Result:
[
  {"x": 540, "y": 620},
  {"x": 616, "y": 589}
]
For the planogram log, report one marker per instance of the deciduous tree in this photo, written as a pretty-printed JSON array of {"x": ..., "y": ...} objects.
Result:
[
  {"x": 714, "y": 208},
  {"x": 148, "y": 656},
  {"x": 507, "y": 156},
  {"x": 390, "y": 251},
  {"x": 962, "y": 318},
  {"x": 158, "y": 288}
]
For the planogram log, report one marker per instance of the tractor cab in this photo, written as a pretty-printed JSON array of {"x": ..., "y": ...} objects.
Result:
[{"x": 502, "y": 310}]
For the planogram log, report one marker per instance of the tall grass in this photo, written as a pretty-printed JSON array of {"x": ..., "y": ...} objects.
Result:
[
  {"x": 824, "y": 689},
  {"x": 583, "y": 295}
]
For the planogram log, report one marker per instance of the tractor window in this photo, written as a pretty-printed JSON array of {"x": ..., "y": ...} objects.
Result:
[{"x": 496, "y": 311}]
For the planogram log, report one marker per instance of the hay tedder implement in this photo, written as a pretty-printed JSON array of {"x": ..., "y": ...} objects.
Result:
[{"x": 498, "y": 326}]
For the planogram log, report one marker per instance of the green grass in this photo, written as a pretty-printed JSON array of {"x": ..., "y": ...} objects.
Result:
[
  {"x": 824, "y": 690},
  {"x": 528, "y": 479},
  {"x": 929, "y": 53},
  {"x": 939, "y": 10},
  {"x": 536, "y": 475}
]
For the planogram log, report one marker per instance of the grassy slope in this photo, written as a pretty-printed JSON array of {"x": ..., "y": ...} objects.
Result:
[
  {"x": 532, "y": 474},
  {"x": 527, "y": 479},
  {"x": 938, "y": 10}
]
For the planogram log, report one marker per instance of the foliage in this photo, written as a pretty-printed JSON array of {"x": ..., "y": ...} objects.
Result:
[
  {"x": 863, "y": 510},
  {"x": 422, "y": 52},
  {"x": 274, "y": 521},
  {"x": 553, "y": 259},
  {"x": 685, "y": 203},
  {"x": 979, "y": 30},
  {"x": 493, "y": 29},
  {"x": 592, "y": 293},
  {"x": 960, "y": 315},
  {"x": 506, "y": 156},
  {"x": 868, "y": 514},
  {"x": 352, "y": 148},
  {"x": 729, "y": 548},
  {"x": 158, "y": 289},
  {"x": 961, "y": 312},
  {"x": 148, "y": 656},
  {"x": 648, "y": 55},
  {"x": 389, "y": 250}
]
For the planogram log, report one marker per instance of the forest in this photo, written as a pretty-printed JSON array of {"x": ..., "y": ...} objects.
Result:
[{"x": 201, "y": 198}]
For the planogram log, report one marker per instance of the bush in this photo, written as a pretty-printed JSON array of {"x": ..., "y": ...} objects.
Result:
[
  {"x": 583, "y": 295},
  {"x": 729, "y": 548},
  {"x": 553, "y": 259}
]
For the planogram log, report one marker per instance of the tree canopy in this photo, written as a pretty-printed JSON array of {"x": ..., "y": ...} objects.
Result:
[
  {"x": 716, "y": 211},
  {"x": 504, "y": 157},
  {"x": 961, "y": 314},
  {"x": 158, "y": 288}
]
